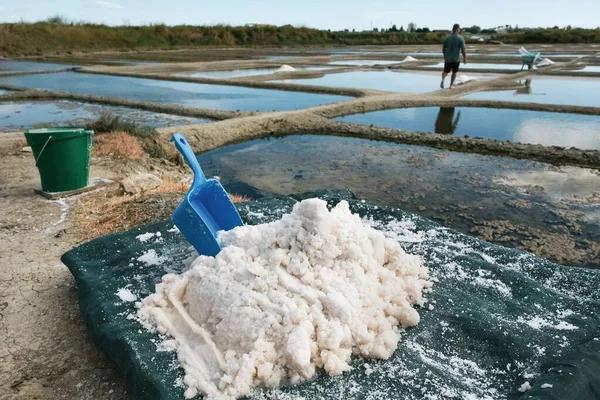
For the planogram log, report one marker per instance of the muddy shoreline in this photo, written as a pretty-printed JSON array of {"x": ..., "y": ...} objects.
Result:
[
  {"x": 208, "y": 137},
  {"x": 237, "y": 127},
  {"x": 24, "y": 94}
]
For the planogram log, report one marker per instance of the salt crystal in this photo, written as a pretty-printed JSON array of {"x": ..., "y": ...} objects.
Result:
[
  {"x": 126, "y": 295},
  {"x": 144, "y": 237},
  {"x": 151, "y": 258},
  {"x": 285, "y": 297},
  {"x": 525, "y": 387}
]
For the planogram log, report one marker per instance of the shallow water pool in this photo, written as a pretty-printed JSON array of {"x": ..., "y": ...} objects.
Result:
[
  {"x": 280, "y": 56},
  {"x": 180, "y": 93},
  {"x": 543, "y": 55},
  {"x": 243, "y": 72},
  {"x": 378, "y": 80},
  {"x": 547, "y": 90},
  {"x": 364, "y": 62},
  {"x": 26, "y": 115},
  {"x": 590, "y": 68},
  {"x": 467, "y": 192},
  {"x": 479, "y": 66},
  {"x": 13, "y": 66},
  {"x": 550, "y": 129}
]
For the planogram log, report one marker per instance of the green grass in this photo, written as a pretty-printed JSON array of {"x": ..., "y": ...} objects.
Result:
[
  {"x": 60, "y": 36},
  {"x": 108, "y": 123}
]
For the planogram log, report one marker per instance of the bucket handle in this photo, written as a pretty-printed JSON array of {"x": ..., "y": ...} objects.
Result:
[{"x": 42, "y": 151}]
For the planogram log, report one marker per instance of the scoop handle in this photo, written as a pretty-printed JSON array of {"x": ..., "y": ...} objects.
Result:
[{"x": 188, "y": 154}]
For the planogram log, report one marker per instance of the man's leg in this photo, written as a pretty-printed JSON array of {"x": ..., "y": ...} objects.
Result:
[
  {"x": 444, "y": 75},
  {"x": 452, "y": 79},
  {"x": 454, "y": 71}
]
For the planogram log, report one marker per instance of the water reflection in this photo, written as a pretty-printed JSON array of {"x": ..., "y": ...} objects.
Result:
[
  {"x": 22, "y": 115},
  {"x": 182, "y": 93},
  {"x": 390, "y": 81},
  {"x": 526, "y": 89},
  {"x": 13, "y": 66},
  {"x": 480, "y": 66},
  {"x": 550, "y": 90},
  {"x": 445, "y": 123},
  {"x": 550, "y": 129},
  {"x": 582, "y": 135},
  {"x": 467, "y": 192}
]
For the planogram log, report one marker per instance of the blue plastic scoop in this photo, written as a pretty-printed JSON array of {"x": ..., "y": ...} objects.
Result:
[{"x": 206, "y": 209}]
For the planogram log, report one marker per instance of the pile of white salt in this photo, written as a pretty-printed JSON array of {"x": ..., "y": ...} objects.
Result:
[{"x": 284, "y": 298}]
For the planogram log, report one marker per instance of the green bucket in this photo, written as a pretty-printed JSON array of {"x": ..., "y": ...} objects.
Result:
[{"x": 62, "y": 155}]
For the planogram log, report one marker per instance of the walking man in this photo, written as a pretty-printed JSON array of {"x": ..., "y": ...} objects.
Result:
[{"x": 453, "y": 46}]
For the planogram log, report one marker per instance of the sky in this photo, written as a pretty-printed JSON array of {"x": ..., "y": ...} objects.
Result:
[{"x": 322, "y": 14}]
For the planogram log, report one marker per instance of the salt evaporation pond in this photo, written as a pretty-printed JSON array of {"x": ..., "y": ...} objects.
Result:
[
  {"x": 25, "y": 66},
  {"x": 181, "y": 93},
  {"x": 590, "y": 68},
  {"x": 479, "y": 66},
  {"x": 550, "y": 129},
  {"x": 378, "y": 80},
  {"x": 544, "y": 55},
  {"x": 549, "y": 90},
  {"x": 364, "y": 62},
  {"x": 463, "y": 191},
  {"x": 243, "y": 72},
  {"x": 25, "y": 115}
]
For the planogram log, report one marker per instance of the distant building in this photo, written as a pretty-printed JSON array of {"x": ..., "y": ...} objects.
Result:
[
  {"x": 480, "y": 38},
  {"x": 256, "y": 25}
]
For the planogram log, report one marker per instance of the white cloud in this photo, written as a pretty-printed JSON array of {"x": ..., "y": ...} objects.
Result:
[{"x": 107, "y": 4}]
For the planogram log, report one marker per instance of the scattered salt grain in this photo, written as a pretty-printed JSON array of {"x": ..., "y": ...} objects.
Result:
[
  {"x": 151, "y": 258},
  {"x": 126, "y": 295},
  {"x": 144, "y": 237},
  {"x": 546, "y": 386},
  {"x": 64, "y": 210},
  {"x": 256, "y": 214},
  {"x": 525, "y": 387},
  {"x": 539, "y": 323},
  {"x": 167, "y": 346}
]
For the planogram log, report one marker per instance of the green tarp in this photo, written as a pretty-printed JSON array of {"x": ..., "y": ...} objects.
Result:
[{"x": 496, "y": 318}]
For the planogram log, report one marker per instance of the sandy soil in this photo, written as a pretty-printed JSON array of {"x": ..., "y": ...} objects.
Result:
[{"x": 46, "y": 351}]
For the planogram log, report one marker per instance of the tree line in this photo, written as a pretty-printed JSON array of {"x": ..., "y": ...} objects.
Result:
[{"x": 56, "y": 36}]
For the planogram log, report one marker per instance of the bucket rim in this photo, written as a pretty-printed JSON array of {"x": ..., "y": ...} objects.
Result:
[{"x": 58, "y": 130}]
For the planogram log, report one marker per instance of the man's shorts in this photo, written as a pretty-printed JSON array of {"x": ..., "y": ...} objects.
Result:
[{"x": 451, "y": 67}]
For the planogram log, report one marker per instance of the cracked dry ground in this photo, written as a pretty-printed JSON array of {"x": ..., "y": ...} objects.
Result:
[{"x": 45, "y": 348}]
